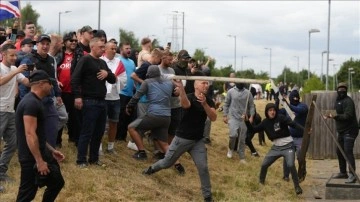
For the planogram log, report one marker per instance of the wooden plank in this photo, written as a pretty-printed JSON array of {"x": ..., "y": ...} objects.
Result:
[
  {"x": 286, "y": 107},
  {"x": 223, "y": 79},
  {"x": 306, "y": 141}
]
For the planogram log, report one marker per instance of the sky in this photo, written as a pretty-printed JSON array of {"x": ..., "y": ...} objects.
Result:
[{"x": 282, "y": 26}]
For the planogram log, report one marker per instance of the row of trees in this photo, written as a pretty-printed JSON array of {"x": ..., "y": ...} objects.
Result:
[{"x": 298, "y": 78}]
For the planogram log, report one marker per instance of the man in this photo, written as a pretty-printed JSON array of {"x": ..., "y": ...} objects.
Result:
[
  {"x": 157, "y": 117},
  {"x": 10, "y": 76},
  {"x": 181, "y": 68},
  {"x": 276, "y": 128},
  {"x": 268, "y": 91},
  {"x": 144, "y": 54},
  {"x": 197, "y": 107},
  {"x": 38, "y": 160},
  {"x": 127, "y": 92},
  {"x": 69, "y": 54},
  {"x": 238, "y": 102},
  {"x": 86, "y": 34},
  {"x": 19, "y": 37},
  {"x": 30, "y": 30},
  {"x": 347, "y": 131},
  {"x": 88, "y": 87},
  {"x": 112, "y": 92},
  {"x": 47, "y": 63},
  {"x": 300, "y": 110}
]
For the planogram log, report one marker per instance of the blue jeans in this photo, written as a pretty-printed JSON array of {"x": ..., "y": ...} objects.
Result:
[
  {"x": 286, "y": 151},
  {"x": 92, "y": 130}
]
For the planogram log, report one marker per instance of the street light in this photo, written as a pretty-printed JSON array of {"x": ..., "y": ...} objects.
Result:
[
  {"x": 270, "y": 61},
  {"x": 183, "y": 28},
  {"x": 322, "y": 64},
  {"x": 298, "y": 80},
  {"x": 310, "y": 31},
  {"x": 242, "y": 58},
  {"x": 234, "y": 50},
  {"x": 327, "y": 73},
  {"x": 335, "y": 76},
  {"x": 349, "y": 70},
  {"x": 60, "y": 17}
]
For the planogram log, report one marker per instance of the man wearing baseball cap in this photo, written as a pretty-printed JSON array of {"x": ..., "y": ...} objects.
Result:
[{"x": 87, "y": 33}]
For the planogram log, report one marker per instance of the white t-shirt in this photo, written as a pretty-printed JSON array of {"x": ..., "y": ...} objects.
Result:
[{"x": 8, "y": 90}]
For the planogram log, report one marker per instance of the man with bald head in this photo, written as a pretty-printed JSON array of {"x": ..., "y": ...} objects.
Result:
[
  {"x": 112, "y": 98},
  {"x": 88, "y": 84}
]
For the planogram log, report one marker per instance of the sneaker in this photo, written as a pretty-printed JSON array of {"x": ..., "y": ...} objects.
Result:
[
  {"x": 340, "y": 176},
  {"x": 229, "y": 154},
  {"x": 243, "y": 161},
  {"x": 132, "y": 145},
  {"x": 207, "y": 140},
  {"x": 180, "y": 169},
  {"x": 82, "y": 165},
  {"x": 140, "y": 155},
  {"x": 298, "y": 190},
  {"x": 208, "y": 199},
  {"x": 286, "y": 179},
  {"x": 255, "y": 154},
  {"x": 148, "y": 171},
  {"x": 111, "y": 151},
  {"x": 6, "y": 178},
  {"x": 351, "y": 179},
  {"x": 98, "y": 163},
  {"x": 159, "y": 155},
  {"x": 2, "y": 189}
]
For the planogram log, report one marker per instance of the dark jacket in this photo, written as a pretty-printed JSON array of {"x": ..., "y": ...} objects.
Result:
[
  {"x": 345, "y": 115},
  {"x": 300, "y": 111},
  {"x": 180, "y": 71}
]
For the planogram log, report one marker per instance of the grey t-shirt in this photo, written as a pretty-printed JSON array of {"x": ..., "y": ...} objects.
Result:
[{"x": 167, "y": 73}]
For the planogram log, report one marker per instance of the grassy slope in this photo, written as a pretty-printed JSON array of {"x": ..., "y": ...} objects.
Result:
[{"x": 121, "y": 179}]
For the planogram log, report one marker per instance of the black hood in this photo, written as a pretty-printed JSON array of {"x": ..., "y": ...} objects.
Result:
[
  {"x": 153, "y": 72},
  {"x": 269, "y": 106}
]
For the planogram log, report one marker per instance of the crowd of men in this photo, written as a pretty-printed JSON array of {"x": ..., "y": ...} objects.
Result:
[{"x": 85, "y": 82}]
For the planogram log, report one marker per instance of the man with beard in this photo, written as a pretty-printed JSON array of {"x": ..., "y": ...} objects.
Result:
[
  {"x": 238, "y": 102},
  {"x": 127, "y": 92},
  {"x": 88, "y": 87},
  {"x": 347, "y": 131}
]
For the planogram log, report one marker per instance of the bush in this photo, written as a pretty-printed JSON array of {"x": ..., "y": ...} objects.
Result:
[{"x": 314, "y": 83}]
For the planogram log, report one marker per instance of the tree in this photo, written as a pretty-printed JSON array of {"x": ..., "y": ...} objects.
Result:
[
  {"x": 129, "y": 36},
  {"x": 314, "y": 83},
  {"x": 343, "y": 73}
]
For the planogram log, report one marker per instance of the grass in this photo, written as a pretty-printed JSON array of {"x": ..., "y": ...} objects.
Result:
[{"x": 121, "y": 179}]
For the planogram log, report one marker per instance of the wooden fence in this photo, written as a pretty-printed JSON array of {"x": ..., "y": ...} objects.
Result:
[{"x": 322, "y": 145}]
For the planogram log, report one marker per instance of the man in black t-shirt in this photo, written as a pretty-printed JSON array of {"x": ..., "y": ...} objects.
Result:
[
  {"x": 38, "y": 160},
  {"x": 189, "y": 135}
]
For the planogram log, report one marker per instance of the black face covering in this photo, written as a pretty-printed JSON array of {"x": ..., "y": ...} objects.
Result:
[
  {"x": 240, "y": 86},
  {"x": 341, "y": 94},
  {"x": 183, "y": 64},
  {"x": 294, "y": 102},
  {"x": 2, "y": 39}
]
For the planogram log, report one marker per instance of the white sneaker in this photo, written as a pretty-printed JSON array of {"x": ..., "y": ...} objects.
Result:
[
  {"x": 229, "y": 154},
  {"x": 132, "y": 145},
  {"x": 243, "y": 161}
]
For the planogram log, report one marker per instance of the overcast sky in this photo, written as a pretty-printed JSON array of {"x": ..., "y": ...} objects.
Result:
[{"x": 282, "y": 26}]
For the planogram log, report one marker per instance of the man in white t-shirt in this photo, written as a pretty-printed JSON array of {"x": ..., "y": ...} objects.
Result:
[{"x": 9, "y": 78}]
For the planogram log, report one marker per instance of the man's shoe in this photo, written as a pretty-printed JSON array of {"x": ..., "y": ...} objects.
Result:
[
  {"x": 132, "y": 145},
  {"x": 98, "y": 163},
  {"x": 208, "y": 199},
  {"x": 6, "y": 178},
  {"x": 148, "y": 171},
  {"x": 159, "y": 155},
  {"x": 140, "y": 155},
  {"x": 82, "y": 165},
  {"x": 298, "y": 190},
  {"x": 286, "y": 179},
  {"x": 207, "y": 140},
  {"x": 180, "y": 169},
  {"x": 255, "y": 154},
  {"x": 340, "y": 176},
  {"x": 351, "y": 179},
  {"x": 229, "y": 154}
]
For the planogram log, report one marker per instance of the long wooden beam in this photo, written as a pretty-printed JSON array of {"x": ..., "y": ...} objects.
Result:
[{"x": 223, "y": 79}]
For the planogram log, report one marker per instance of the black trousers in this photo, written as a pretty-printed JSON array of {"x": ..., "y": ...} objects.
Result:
[
  {"x": 250, "y": 135},
  {"x": 27, "y": 190},
  {"x": 347, "y": 141},
  {"x": 124, "y": 119}
]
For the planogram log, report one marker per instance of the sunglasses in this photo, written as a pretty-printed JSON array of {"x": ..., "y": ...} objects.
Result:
[{"x": 73, "y": 40}]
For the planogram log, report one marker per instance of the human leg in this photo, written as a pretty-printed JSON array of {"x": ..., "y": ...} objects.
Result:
[
  {"x": 27, "y": 188},
  {"x": 269, "y": 159},
  {"x": 242, "y": 137},
  {"x": 98, "y": 132},
  {"x": 8, "y": 133},
  {"x": 51, "y": 123},
  {"x": 54, "y": 183}
]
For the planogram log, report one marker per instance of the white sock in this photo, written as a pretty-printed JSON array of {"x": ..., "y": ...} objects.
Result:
[{"x": 110, "y": 145}]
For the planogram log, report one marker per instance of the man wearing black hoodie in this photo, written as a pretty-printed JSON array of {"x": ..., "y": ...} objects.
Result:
[
  {"x": 276, "y": 127},
  {"x": 347, "y": 131}
]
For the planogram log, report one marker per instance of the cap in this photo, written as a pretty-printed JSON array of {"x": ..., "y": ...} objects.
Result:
[
  {"x": 99, "y": 33},
  {"x": 183, "y": 54},
  {"x": 40, "y": 75},
  {"x": 342, "y": 84},
  {"x": 87, "y": 28},
  {"x": 43, "y": 37},
  {"x": 20, "y": 33},
  {"x": 27, "y": 41}
]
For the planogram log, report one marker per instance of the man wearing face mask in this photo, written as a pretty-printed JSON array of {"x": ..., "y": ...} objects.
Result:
[
  {"x": 238, "y": 102},
  {"x": 300, "y": 110},
  {"x": 181, "y": 69},
  {"x": 347, "y": 131}
]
